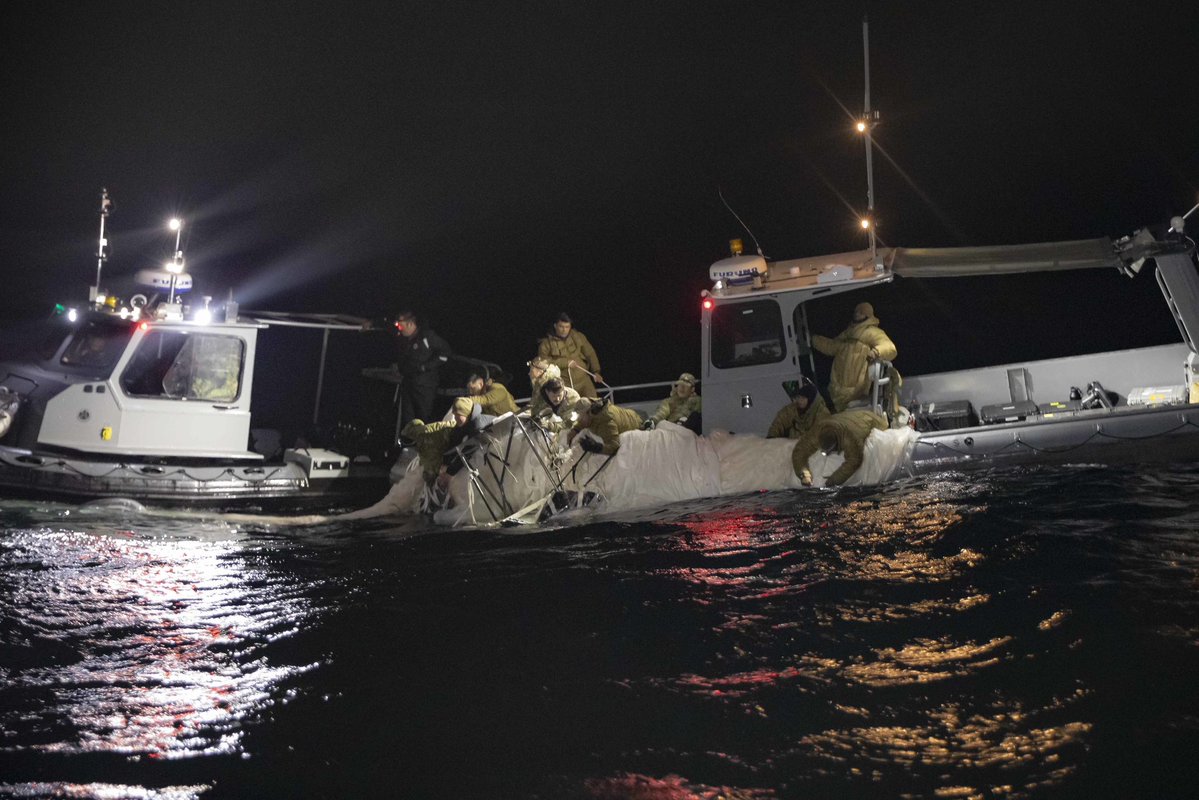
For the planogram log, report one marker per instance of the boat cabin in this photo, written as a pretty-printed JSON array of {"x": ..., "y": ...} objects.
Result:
[
  {"x": 108, "y": 385},
  {"x": 755, "y": 335}
]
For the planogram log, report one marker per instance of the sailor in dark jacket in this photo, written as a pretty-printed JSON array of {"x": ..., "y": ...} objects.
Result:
[
  {"x": 421, "y": 354},
  {"x": 797, "y": 417}
]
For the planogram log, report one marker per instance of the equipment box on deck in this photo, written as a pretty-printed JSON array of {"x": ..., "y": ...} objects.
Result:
[
  {"x": 318, "y": 463},
  {"x": 1008, "y": 412},
  {"x": 946, "y": 415},
  {"x": 1158, "y": 396},
  {"x": 1058, "y": 409}
]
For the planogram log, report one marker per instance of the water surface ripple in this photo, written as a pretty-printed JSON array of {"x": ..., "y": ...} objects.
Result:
[{"x": 1030, "y": 633}]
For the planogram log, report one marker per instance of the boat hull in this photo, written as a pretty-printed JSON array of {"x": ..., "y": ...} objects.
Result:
[
  {"x": 1125, "y": 435},
  {"x": 212, "y": 485}
]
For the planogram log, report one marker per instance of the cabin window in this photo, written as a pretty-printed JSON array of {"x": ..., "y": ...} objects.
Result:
[
  {"x": 749, "y": 333},
  {"x": 95, "y": 344},
  {"x": 186, "y": 366}
]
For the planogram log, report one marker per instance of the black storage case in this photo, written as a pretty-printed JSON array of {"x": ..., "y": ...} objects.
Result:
[
  {"x": 998, "y": 413},
  {"x": 945, "y": 415}
]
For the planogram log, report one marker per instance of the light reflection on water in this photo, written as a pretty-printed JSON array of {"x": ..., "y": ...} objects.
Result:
[
  {"x": 783, "y": 574},
  {"x": 147, "y": 647},
  {"x": 994, "y": 636}
]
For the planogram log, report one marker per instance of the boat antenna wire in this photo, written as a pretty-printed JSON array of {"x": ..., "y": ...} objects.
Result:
[
  {"x": 101, "y": 252},
  {"x": 743, "y": 225}
]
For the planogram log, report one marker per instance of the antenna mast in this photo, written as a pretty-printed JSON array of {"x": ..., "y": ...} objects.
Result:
[
  {"x": 102, "y": 252},
  {"x": 869, "y": 119}
]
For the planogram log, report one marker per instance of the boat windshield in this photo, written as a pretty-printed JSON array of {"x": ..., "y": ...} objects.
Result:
[
  {"x": 96, "y": 344},
  {"x": 744, "y": 334},
  {"x": 186, "y": 366}
]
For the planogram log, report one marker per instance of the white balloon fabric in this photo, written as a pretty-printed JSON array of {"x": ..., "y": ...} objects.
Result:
[{"x": 520, "y": 469}]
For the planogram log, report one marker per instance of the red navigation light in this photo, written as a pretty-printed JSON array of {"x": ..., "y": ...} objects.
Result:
[
  {"x": 145, "y": 326},
  {"x": 708, "y": 304}
]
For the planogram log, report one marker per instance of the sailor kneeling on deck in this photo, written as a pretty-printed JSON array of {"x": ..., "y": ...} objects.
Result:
[
  {"x": 606, "y": 421},
  {"x": 556, "y": 411},
  {"x": 541, "y": 372},
  {"x": 847, "y": 433},
  {"x": 442, "y": 447},
  {"x": 494, "y": 398}
]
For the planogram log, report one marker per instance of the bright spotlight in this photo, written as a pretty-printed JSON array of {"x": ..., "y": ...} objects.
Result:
[
  {"x": 865, "y": 223},
  {"x": 861, "y": 126},
  {"x": 203, "y": 316},
  {"x": 175, "y": 223}
]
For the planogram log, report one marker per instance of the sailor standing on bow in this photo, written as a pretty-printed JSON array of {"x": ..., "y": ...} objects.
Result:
[
  {"x": 572, "y": 352},
  {"x": 421, "y": 352}
]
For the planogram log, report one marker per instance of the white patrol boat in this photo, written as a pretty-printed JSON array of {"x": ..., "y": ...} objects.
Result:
[
  {"x": 1127, "y": 405},
  {"x": 150, "y": 399}
]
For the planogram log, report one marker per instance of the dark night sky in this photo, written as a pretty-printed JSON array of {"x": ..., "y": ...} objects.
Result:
[{"x": 491, "y": 163}]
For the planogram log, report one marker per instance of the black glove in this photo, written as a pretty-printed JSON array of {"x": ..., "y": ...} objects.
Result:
[{"x": 591, "y": 445}]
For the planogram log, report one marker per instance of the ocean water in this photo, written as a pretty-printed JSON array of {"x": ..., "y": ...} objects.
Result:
[{"x": 1026, "y": 633}]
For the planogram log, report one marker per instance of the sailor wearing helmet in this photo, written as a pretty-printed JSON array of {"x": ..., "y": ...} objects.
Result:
[{"x": 683, "y": 407}]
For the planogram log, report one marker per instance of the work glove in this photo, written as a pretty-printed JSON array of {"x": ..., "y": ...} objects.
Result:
[{"x": 591, "y": 445}]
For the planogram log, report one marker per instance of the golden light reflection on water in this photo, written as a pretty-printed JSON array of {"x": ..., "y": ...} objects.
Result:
[
  {"x": 880, "y": 562},
  {"x": 632, "y": 786},
  {"x": 924, "y": 661},
  {"x": 157, "y": 643},
  {"x": 952, "y": 738}
]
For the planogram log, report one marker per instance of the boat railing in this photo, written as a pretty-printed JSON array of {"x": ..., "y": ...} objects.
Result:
[
  {"x": 616, "y": 392},
  {"x": 881, "y": 387}
]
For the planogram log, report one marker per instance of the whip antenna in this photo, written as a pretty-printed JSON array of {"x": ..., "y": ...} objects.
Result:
[{"x": 743, "y": 225}]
